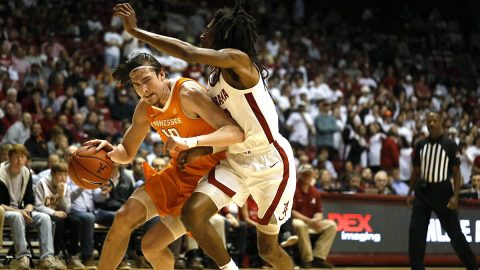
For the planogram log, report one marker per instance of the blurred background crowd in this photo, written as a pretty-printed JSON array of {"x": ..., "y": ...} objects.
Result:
[{"x": 352, "y": 84}]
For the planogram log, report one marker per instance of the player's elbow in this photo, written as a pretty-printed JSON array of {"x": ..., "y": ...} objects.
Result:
[{"x": 239, "y": 135}]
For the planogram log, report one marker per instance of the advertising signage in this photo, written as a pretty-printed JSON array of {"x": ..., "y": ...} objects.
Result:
[{"x": 378, "y": 226}]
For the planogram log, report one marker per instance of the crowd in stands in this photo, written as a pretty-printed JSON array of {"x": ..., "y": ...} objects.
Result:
[{"x": 352, "y": 93}]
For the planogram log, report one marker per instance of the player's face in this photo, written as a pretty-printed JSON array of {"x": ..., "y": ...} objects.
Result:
[
  {"x": 148, "y": 85},
  {"x": 206, "y": 38}
]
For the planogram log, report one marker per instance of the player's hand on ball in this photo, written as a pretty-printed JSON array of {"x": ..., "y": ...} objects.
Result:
[
  {"x": 100, "y": 144},
  {"x": 126, "y": 12}
]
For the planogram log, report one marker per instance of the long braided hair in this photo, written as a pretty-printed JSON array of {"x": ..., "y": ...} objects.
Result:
[{"x": 235, "y": 28}]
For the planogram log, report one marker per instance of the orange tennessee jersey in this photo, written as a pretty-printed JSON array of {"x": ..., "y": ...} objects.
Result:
[{"x": 170, "y": 188}]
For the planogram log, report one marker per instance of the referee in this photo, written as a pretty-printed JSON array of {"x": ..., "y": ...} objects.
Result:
[{"x": 434, "y": 163}]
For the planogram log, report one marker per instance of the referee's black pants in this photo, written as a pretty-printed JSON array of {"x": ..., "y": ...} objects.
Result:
[{"x": 435, "y": 196}]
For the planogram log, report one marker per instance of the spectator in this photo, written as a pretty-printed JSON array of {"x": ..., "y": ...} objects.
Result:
[
  {"x": 307, "y": 215},
  {"x": 381, "y": 183},
  {"x": 122, "y": 108},
  {"x": 17, "y": 200},
  {"x": 19, "y": 132},
  {"x": 405, "y": 159},
  {"x": 399, "y": 186},
  {"x": 52, "y": 197},
  {"x": 51, "y": 160},
  {"x": 159, "y": 163},
  {"x": 36, "y": 144},
  {"x": 354, "y": 184},
  {"x": 325, "y": 126},
  {"x": 157, "y": 151},
  {"x": 9, "y": 118},
  {"x": 389, "y": 153},
  {"x": 12, "y": 95},
  {"x": 300, "y": 124}
]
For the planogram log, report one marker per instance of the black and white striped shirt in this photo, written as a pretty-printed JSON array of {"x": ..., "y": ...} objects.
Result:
[{"x": 436, "y": 158}]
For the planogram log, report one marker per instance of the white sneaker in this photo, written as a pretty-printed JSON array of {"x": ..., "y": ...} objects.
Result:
[{"x": 290, "y": 241}]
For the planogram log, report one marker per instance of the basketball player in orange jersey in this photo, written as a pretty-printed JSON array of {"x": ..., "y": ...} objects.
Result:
[
  {"x": 178, "y": 107},
  {"x": 263, "y": 164}
]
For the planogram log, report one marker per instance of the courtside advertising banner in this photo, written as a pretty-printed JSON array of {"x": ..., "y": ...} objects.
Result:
[{"x": 373, "y": 226}]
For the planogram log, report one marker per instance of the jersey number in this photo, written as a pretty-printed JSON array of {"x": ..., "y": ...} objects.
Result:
[{"x": 170, "y": 132}]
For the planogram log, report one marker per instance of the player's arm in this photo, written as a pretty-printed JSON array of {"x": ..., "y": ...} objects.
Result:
[
  {"x": 196, "y": 103},
  {"x": 125, "y": 152},
  {"x": 225, "y": 58}
]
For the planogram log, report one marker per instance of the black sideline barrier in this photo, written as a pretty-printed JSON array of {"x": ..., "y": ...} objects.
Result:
[{"x": 373, "y": 230}]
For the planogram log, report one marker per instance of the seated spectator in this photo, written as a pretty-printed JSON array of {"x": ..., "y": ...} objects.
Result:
[
  {"x": 472, "y": 191},
  {"x": 36, "y": 144},
  {"x": 157, "y": 151},
  {"x": 159, "y": 163},
  {"x": 382, "y": 185},
  {"x": 325, "y": 182},
  {"x": 354, "y": 184},
  {"x": 307, "y": 215},
  {"x": 323, "y": 162},
  {"x": 367, "y": 178},
  {"x": 20, "y": 131},
  {"x": 16, "y": 197},
  {"x": 52, "y": 159},
  {"x": 10, "y": 117},
  {"x": 399, "y": 186},
  {"x": 4, "y": 152},
  {"x": 52, "y": 197}
]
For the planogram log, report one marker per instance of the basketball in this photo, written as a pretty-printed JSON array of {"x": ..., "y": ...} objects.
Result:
[{"x": 90, "y": 169}]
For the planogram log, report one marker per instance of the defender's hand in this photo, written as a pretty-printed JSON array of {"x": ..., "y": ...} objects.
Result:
[
  {"x": 175, "y": 143},
  {"x": 126, "y": 12}
]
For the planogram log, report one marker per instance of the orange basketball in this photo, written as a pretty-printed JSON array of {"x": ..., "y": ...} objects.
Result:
[{"x": 90, "y": 169}]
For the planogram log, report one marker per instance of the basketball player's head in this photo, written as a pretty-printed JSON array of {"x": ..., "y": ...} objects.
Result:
[
  {"x": 147, "y": 76},
  {"x": 232, "y": 28}
]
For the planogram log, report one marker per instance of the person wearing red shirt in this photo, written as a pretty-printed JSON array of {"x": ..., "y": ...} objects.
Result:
[
  {"x": 307, "y": 216},
  {"x": 390, "y": 152}
]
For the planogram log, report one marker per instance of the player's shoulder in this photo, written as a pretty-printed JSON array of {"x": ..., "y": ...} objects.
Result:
[{"x": 191, "y": 89}]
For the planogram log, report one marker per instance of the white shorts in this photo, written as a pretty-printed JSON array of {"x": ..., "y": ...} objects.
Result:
[
  {"x": 268, "y": 176},
  {"x": 174, "y": 224}
]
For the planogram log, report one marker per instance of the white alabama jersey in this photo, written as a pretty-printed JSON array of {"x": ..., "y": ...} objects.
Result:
[{"x": 253, "y": 110}]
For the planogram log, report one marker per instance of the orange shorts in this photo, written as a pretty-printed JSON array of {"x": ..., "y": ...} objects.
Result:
[{"x": 170, "y": 187}]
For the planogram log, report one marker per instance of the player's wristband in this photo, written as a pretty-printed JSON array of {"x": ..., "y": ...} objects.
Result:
[{"x": 191, "y": 142}]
